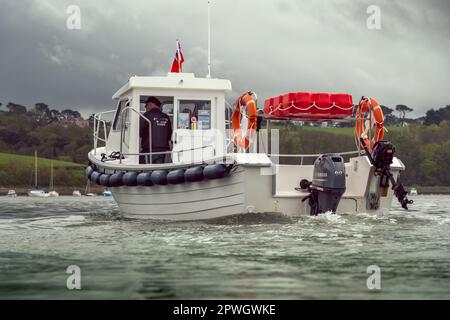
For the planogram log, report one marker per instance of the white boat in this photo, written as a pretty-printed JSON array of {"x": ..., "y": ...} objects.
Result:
[
  {"x": 76, "y": 193},
  {"x": 107, "y": 193},
  {"x": 209, "y": 177},
  {"x": 36, "y": 192},
  {"x": 52, "y": 193},
  {"x": 11, "y": 193},
  {"x": 413, "y": 192},
  {"x": 87, "y": 190}
]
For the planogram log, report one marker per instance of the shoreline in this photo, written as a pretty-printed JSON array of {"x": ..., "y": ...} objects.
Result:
[
  {"x": 63, "y": 191},
  {"x": 67, "y": 191},
  {"x": 438, "y": 190}
]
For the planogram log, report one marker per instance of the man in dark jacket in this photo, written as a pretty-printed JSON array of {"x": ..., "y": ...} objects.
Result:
[{"x": 161, "y": 131}]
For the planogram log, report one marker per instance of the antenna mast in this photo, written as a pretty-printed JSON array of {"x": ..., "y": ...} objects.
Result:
[{"x": 209, "y": 40}]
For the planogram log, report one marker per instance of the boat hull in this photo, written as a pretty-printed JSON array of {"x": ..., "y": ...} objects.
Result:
[
  {"x": 250, "y": 189},
  {"x": 188, "y": 201},
  {"x": 11, "y": 193},
  {"x": 38, "y": 194}
]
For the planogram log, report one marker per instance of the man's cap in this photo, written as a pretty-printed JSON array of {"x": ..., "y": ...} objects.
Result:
[{"x": 153, "y": 100}]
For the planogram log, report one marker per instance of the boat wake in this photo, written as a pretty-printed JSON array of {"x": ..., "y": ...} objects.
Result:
[{"x": 253, "y": 218}]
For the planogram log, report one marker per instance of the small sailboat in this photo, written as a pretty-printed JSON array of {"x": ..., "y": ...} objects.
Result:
[
  {"x": 413, "y": 192},
  {"x": 52, "y": 193},
  {"x": 87, "y": 191},
  {"x": 11, "y": 193},
  {"x": 76, "y": 193},
  {"x": 107, "y": 193},
  {"x": 37, "y": 192}
]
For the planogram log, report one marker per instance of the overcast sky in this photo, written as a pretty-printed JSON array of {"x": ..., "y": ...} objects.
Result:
[{"x": 271, "y": 47}]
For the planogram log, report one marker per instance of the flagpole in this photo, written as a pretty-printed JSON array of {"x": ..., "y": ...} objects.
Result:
[
  {"x": 178, "y": 56},
  {"x": 209, "y": 40}
]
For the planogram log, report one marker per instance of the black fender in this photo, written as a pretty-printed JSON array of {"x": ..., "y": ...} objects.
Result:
[
  {"x": 215, "y": 171},
  {"x": 175, "y": 176},
  {"x": 159, "y": 177},
  {"x": 116, "y": 179},
  {"x": 130, "y": 179},
  {"x": 144, "y": 179},
  {"x": 194, "y": 174}
]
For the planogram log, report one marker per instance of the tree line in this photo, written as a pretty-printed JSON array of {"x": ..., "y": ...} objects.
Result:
[
  {"x": 397, "y": 116},
  {"x": 54, "y": 134},
  {"x": 423, "y": 145}
]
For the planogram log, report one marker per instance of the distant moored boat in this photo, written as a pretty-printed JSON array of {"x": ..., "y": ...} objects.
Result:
[
  {"x": 52, "y": 193},
  {"x": 87, "y": 191},
  {"x": 36, "y": 192}
]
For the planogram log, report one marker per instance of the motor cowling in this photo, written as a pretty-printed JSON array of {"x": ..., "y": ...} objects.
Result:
[
  {"x": 383, "y": 154},
  {"x": 328, "y": 184}
]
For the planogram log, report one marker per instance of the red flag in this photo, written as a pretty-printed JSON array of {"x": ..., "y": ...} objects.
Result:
[{"x": 177, "y": 64}]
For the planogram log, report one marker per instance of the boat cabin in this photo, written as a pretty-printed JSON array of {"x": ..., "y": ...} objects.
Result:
[{"x": 196, "y": 107}]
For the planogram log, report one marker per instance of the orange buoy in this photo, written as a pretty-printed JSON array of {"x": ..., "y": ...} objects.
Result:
[
  {"x": 369, "y": 105},
  {"x": 244, "y": 108}
]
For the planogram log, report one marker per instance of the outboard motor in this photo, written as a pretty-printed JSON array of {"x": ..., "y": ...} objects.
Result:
[
  {"x": 327, "y": 186},
  {"x": 381, "y": 158}
]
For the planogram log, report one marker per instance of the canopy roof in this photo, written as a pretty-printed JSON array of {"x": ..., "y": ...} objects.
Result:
[{"x": 175, "y": 81}]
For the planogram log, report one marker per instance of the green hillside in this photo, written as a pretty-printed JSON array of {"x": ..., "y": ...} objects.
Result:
[
  {"x": 6, "y": 158},
  {"x": 17, "y": 170}
]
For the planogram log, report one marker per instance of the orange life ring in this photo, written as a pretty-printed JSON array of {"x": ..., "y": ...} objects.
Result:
[
  {"x": 245, "y": 103},
  {"x": 364, "y": 106}
]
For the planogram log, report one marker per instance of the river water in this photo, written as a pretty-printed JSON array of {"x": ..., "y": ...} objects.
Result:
[{"x": 254, "y": 257}]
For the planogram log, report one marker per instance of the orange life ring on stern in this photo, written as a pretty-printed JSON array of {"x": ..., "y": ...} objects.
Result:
[
  {"x": 364, "y": 106},
  {"x": 245, "y": 103}
]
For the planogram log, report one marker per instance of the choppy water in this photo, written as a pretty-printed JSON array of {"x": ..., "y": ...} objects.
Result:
[{"x": 268, "y": 257}]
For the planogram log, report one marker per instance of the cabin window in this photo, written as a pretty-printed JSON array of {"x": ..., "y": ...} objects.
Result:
[
  {"x": 166, "y": 105},
  {"x": 117, "y": 125},
  {"x": 194, "y": 114}
]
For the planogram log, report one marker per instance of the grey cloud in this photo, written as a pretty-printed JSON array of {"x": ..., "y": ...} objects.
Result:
[{"x": 270, "y": 47}]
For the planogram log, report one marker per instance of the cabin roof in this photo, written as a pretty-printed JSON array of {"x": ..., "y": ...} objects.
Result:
[{"x": 174, "y": 81}]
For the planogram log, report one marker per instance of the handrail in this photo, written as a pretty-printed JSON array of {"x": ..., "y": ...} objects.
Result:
[
  {"x": 302, "y": 156},
  {"x": 311, "y": 155},
  {"x": 162, "y": 152},
  {"x": 98, "y": 118},
  {"x": 167, "y": 152},
  {"x": 121, "y": 115}
]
